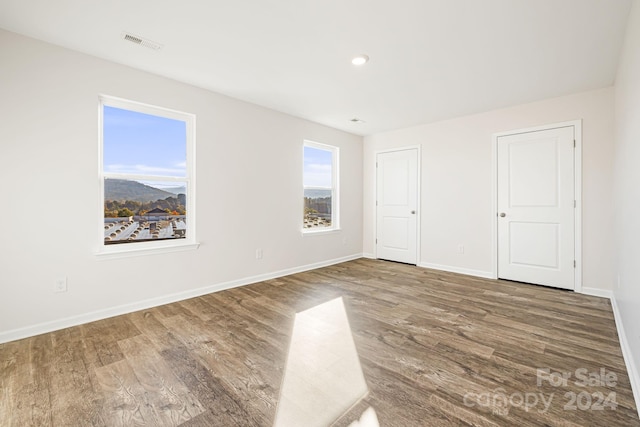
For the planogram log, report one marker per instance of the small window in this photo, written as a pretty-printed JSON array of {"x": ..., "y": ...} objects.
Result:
[
  {"x": 147, "y": 176},
  {"x": 320, "y": 183}
]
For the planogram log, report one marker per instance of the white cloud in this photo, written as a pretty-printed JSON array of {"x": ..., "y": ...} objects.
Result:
[
  {"x": 145, "y": 170},
  {"x": 317, "y": 175}
]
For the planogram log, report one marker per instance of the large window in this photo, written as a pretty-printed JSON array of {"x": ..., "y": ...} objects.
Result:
[
  {"x": 320, "y": 183},
  {"x": 147, "y": 176}
]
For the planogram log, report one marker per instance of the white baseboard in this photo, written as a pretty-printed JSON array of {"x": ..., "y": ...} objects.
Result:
[
  {"x": 368, "y": 255},
  {"x": 595, "y": 292},
  {"x": 80, "y": 319},
  {"x": 460, "y": 270},
  {"x": 632, "y": 370}
]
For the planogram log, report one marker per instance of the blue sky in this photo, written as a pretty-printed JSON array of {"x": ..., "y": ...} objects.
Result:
[
  {"x": 317, "y": 167},
  {"x": 138, "y": 143}
]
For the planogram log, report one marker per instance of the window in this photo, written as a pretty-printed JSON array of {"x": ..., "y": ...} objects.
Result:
[
  {"x": 147, "y": 176},
  {"x": 320, "y": 183}
]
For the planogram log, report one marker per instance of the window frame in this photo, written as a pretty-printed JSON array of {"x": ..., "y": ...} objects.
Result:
[
  {"x": 335, "y": 188},
  {"x": 148, "y": 247}
]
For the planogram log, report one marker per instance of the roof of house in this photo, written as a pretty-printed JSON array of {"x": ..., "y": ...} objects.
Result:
[{"x": 157, "y": 211}]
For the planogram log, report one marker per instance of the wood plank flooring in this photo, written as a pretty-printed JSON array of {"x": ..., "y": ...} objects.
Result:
[{"x": 435, "y": 348}]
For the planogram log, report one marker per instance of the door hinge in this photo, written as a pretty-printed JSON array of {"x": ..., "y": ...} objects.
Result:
[
  {"x": 376, "y": 241},
  {"x": 574, "y": 143},
  {"x": 575, "y": 204},
  {"x": 574, "y": 263},
  {"x": 376, "y": 164}
]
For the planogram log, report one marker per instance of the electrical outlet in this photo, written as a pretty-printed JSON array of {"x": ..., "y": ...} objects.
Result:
[
  {"x": 259, "y": 253},
  {"x": 460, "y": 249},
  {"x": 60, "y": 285}
]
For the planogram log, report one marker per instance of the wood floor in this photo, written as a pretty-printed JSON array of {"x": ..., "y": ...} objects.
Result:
[{"x": 435, "y": 349}]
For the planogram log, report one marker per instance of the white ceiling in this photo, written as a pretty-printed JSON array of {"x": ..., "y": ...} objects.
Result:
[{"x": 430, "y": 59}]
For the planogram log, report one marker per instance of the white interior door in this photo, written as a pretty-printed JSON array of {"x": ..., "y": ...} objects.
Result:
[
  {"x": 397, "y": 198},
  {"x": 536, "y": 207}
]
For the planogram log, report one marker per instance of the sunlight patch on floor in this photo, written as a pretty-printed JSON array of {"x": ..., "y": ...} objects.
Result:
[{"x": 323, "y": 378}]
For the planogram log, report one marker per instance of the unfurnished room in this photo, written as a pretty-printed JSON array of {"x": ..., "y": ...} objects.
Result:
[{"x": 355, "y": 213}]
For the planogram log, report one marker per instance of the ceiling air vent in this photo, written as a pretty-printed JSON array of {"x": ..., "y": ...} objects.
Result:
[{"x": 141, "y": 41}]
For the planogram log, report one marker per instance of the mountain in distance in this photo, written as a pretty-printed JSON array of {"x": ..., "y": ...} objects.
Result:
[
  {"x": 124, "y": 189},
  {"x": 176, "y": 190},
  {"x": 316, "y": 194}
]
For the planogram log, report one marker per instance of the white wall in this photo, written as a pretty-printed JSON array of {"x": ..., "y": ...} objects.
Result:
[
  {"x": 627, "y": 195},
  {"x": 456, "y": 182},
  {"x": 249, "y": 170}
]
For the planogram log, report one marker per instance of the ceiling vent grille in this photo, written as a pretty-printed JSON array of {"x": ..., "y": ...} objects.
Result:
[{"x": 141, "y": 41}]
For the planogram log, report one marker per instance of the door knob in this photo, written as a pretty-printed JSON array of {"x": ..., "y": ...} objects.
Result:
[
  {"x": 502, "y": 214},
  {"x": 413, "y": 212}
]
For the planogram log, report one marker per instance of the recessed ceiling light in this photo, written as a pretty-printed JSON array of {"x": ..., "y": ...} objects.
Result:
[
  {"x": 360, "y": 59},
  {"x": 357, "y": 120}
]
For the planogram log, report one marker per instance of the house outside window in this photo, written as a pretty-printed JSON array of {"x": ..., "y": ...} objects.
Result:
[
  {"x": 147, "y": 176},
  {"x": 320, "y": 182}
]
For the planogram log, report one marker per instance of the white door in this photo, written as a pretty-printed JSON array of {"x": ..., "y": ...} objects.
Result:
[
  {"x": 536, "y": 207},
  {"x": 397, "y": 199}
]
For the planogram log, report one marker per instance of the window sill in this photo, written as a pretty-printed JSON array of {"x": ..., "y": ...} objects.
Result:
[
  {"x": 317, "y": 232},
  {"x": 115, "y": 252}
]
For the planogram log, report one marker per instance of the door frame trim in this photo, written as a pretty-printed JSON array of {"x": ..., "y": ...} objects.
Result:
[
  {"x": 577, "y": 162},
  {"x": 418, "y": 198}
]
